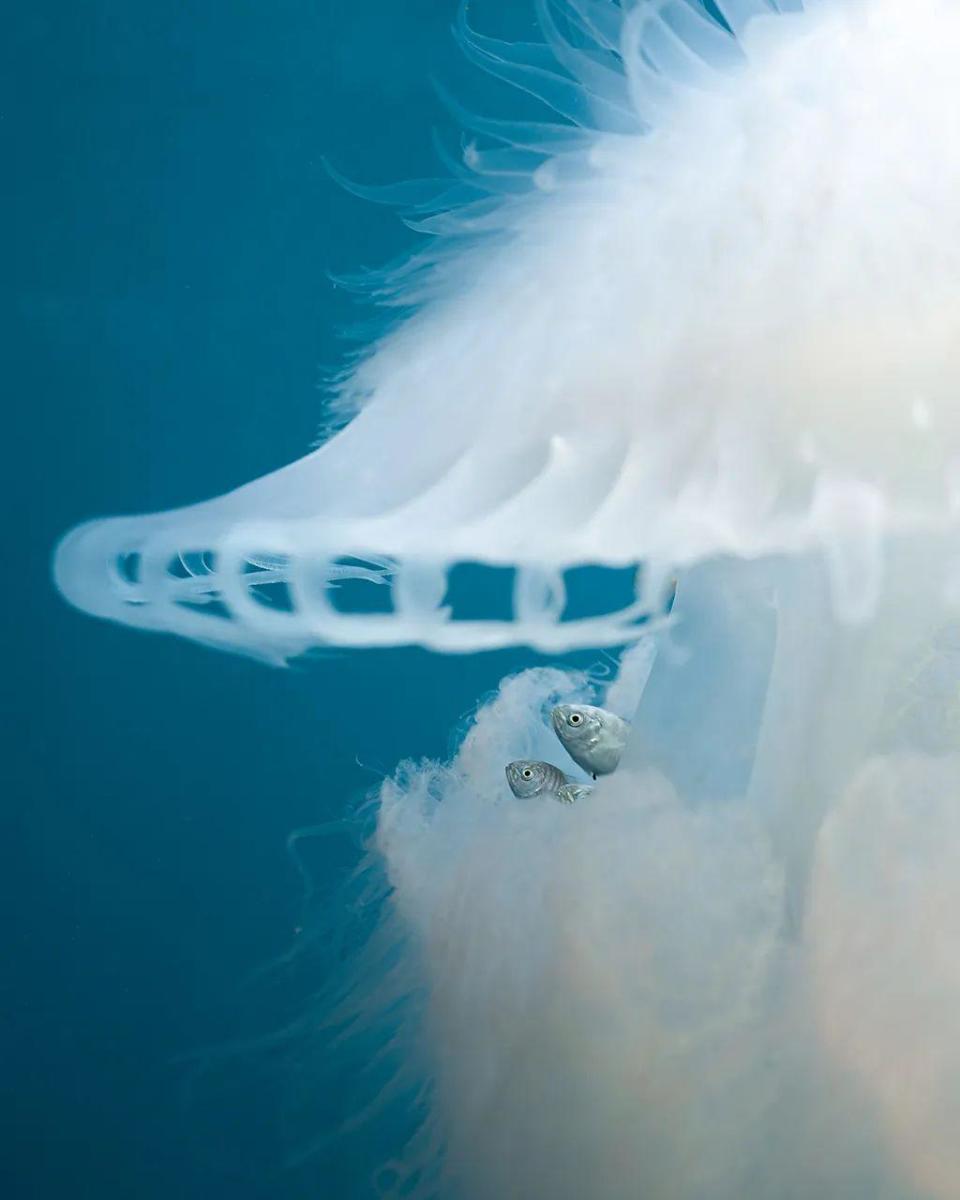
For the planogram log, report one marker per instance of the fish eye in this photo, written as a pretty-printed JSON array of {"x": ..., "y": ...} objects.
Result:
[
  {"x": 527, "y": 773},
  {"x": 575, "y": 718}
]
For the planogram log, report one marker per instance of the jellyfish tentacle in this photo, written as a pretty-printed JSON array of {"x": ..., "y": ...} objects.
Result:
[
  {"x": 478, "y": 217},
  {"x": 688, "y": 50},
  {"x": 530, "y": 67},
  {"x": 739, "y": 13},
  {"x": 695, "y": 30},
  {"x": 511, "y": 180},
  {"x": 603, "y": 80},
  {"x": 666, "y": 44},
  {"x": 539, "y": 137},
  {"x": 600, "y": 22},
  {"x": 409, "y": 193}
]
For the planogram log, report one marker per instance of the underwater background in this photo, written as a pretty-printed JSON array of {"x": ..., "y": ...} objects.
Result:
[
  {"x": 171, "y": 227},
  {"x": 732, "y": 974}
]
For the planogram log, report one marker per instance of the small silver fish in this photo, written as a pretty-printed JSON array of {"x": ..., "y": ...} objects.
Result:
[
  {"x": 593, "y": 737},
  {"x": 529, "y": 778},
  {"x": 570, "y": 793}
]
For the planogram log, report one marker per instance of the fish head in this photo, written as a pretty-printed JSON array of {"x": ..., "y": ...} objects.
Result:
[
  {"x": 526, "y": 778},
  {"x": 576, "y": 724}
]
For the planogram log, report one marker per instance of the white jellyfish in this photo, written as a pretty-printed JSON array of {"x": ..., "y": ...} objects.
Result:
[{"x": 703, "y": 324}]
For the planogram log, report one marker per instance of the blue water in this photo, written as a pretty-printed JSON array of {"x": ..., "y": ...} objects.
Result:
[{"x": 170, "y": 318}]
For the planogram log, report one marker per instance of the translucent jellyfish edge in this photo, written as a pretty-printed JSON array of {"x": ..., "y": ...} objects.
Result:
[{"x": 227, "y": 596}]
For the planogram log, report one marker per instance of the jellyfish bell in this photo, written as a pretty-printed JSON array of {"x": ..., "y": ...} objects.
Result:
[{"x": 727, "y": 327}]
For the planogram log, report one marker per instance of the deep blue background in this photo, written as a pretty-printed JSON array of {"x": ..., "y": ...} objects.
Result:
[{"x": 167, "y": 321}]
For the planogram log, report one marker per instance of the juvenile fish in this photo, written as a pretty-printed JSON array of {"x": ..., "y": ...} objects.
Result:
[
  {"x": 593, "y": 737},
  {"x": 528, "y": 778}
]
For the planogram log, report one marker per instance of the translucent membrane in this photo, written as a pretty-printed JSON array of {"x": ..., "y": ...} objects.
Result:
[
  {"x": 731, "y": 970},
  {"x": 722, "y": 322}
]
